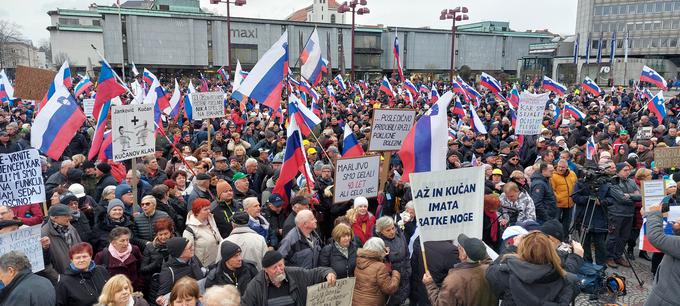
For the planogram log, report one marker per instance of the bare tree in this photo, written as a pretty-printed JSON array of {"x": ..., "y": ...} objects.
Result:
[
  {"x": 59, "y": 59},
  {"x": 9, "y": 31},
  {"x": 45, "y": 46}
]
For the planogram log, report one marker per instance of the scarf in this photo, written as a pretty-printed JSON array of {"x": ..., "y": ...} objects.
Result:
[
  {"x": 118, "y": 255},
  {"x": 63, "y": 230},
  {"x": 363, "y": 227},
  {"x": 89, "y": 268},
  {"x": 343, "y": 250},
  {"x": 493, "y": 215}
]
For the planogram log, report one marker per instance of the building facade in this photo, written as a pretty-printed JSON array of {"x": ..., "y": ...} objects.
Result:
[
  {"x": 651, "y": 28},
  {"x": 184, "y": 39},
  {"x": 321, "y": 11},
  {"x": 20, "y": 52}
]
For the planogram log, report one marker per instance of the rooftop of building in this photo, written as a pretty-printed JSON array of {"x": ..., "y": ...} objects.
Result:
[{"x": 301, "y": 14}]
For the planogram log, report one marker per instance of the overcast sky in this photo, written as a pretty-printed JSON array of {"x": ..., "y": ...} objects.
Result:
[{"x": 558, "y": 16}]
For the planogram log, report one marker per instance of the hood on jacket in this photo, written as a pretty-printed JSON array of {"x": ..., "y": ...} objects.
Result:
[
  {"x": 365, "y": 258},
  {"x": 532, "y": 273}
]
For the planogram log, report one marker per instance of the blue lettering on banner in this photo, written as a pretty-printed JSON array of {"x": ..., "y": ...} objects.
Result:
[{"x": 446, "y": 191}]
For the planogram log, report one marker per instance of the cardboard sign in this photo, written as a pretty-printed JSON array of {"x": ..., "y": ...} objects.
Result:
[
  {"x": 26, "y": 240},
  {"x": 644, "y": 132},
  {"x": 389, "y": 128},
  {"x": 356, "y": 177},
  {"x": 207, "y": 105},
  {"x": 530, "y": 113},
  {"x": 667, "y": 157},
  {"x": 449, "y": 203},
  {"x": 133, "y": 131},
  {"x": 21, "y": 181},
  {"x": 32, "y": 83},
  {"x": 88, "y": 107},
  {"x": 338, "y": 295}
]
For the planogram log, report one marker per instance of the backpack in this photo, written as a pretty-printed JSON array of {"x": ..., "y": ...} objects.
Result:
[{"x": 592, "y": 277}]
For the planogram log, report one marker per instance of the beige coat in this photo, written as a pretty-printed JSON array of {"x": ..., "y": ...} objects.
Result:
[{"x": 206, "y": 238}]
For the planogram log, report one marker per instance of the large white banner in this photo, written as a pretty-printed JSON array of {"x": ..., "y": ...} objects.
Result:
[
  {"x": 133, "y": 131},
  {"x": 207, "y": 105},
  {"x": 26, "y": 240},
  {"x": 449, "y": 203},
  {"x": 389, "y": 128},
  {"x": 530, "y": 113},
  {"x": 356, "y": 177},
  {"x": 21, "y": 181},
  {"x": 338, "y": 295}
]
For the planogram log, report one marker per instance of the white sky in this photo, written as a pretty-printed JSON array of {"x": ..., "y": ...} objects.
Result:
[{"x": 557, "y": 16}]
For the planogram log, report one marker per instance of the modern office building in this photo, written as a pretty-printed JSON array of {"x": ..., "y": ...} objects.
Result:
[
  {"x": 651, "y": 27},
  {"x": 172, "y": 37}
]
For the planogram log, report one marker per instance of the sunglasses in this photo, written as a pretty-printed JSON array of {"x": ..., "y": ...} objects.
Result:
[{"x": 145, "y": 203}]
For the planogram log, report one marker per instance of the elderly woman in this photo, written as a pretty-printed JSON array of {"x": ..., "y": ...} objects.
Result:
[
  {"x": 108, "y": 194},
  {"x": 520, "y": 179},
  {"x": 121, "y": 257},
  {"x": 362, "y": 220},
  {"x": 202, "y": 231},
  {"x": 181, "y": 262},
  {"x": 83, "y": 280},
  {"x": 118, "y": 292},
  {"x": 374, "y": 280},
  {"x": 516, "y": 205},
  {"x": 341, "y": 255},
  {"x": 398, "y": 256},
  {"x": 108, "y": 220}
]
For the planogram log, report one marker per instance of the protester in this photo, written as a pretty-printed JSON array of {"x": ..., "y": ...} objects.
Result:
[
  {"x": 274, "y": 285},
  {"x": 257, "y": 222},
  {"x": 516, "y": 205},
  {"x": 533, "y": 276},
  {"x": 155, "y": 254},
  {"x": 181, "y": 262},
  {"x": 62, "y": 237},
  {"x": 543, "y": 194},
  {"x": 302, "y": 246},
  {"x": 185, "y": 292},
  {"x": 465, "y": 284},
  {"x": 252, "y": 245},
  {"x": 223, "y": 208},
  {"x": 666, "y": 280},
  {"x": 202, "y": 231},
  {"x": 226, "y": 295},
  {"x": 83, "y": 281},
  {"x": 232, "y": 269},
  {"x": 375, "y": 281},
  {"x": 118, "y": 292},
  {"x": 122, "y": 257},
  {"x": 341, "y": 254},
  {"x": 21, "y": 287},
  {"x": 362, "y": 220},
  {"x": 398, "y": 256},
  {"x": 562, "y": 183},
  {"x": 621, "y": 197}
]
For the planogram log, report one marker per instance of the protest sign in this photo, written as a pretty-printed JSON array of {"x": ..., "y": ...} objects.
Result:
[
  {"x": 530, "y": 113},
  {"x": 26, "y": 240},
  {"x": 653, "y": 192},
  {"x": 356, "y": 177},
  {"x": 21, "y": 181},
  {"x": 389, "y": 128},
  {"x": 667, "y": 157},
  {"x": 338, "y": 295},
  {"x": 133, "y": 131},
  {"x": 88, "y": 107},
  {"x": 32, "y": 83},
  {"x": 449, "y": 203},
  {"x": 644, "y": 133},
  {"x": 207, "y": 105}
]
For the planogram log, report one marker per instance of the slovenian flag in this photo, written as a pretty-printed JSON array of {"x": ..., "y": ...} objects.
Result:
[
  {"x": 657, "y": 107},
  {"x": 423, "y": 149},
  {"x": 590, "y": 148},
  {"x": 574, "y": 111},
  {"x": 650, "y": 76},
  {"x": 590, "y": 86},
  {"x": 188, "y": 106},
  {"x": 82, "y": 86},
  {"x": 553, "y": 86},
  {"x": 61, "y": 79},
  {"x": 350, "y": 144},
  {"x": 305, "y": 117},
  {"x": 311, "y": 60},
  {"x": 340, "y": 82},
  {"x": 175, "y": 102},
  {"x": 514, "y": 97},
  {"x": 107, "y": 88},
  {"x": 57, "y": 123},
  {"x": 294, "y": 162},
  {"x": 411, "y": 88},
  {"x": 386, "y": 87},
  {"x": 475, "y": 122}
]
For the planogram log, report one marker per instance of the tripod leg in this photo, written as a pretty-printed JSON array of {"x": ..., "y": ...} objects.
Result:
[{"x": 640, "y": 282}]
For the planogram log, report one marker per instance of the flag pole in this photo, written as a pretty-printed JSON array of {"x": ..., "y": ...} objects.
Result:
[
  {"x": 122, "y": 61},
  {"x": 113, "y": 71}
]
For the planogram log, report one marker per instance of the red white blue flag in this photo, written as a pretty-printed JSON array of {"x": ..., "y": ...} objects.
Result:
[
  {"x": 57, "y": 123},
  {"x": 650, "y": 76},
  {"x": 350, "y": 144}
]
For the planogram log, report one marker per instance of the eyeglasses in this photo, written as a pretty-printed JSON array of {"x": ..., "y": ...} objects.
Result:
[{"x": 145, "y": 203}]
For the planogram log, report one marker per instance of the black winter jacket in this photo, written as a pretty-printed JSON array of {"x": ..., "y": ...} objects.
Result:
[
  {"x": 174, "y": 269},
  {"x": 81, "y": 287},
  {"x": 240, "y": 278},
  {"x": 332, "y": 257},
  {"x": 298, "y": 279}
]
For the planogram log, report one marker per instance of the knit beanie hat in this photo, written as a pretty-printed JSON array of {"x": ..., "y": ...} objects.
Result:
[
  {"x": 229, "y": 249},
  {"x": 176, "y": 246},
  {"x": 113, "y": 203}
]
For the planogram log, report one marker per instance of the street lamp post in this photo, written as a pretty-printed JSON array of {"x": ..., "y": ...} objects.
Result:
[
  {"x": 456, "y": 14},
  {"x": 229, "y": 2},
  {"x": 352, "y": 6}
]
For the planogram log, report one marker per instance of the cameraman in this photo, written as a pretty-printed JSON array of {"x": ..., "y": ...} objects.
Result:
[
  {"x": 592, "y": 218},
  {"x": 620, "y": 198}
]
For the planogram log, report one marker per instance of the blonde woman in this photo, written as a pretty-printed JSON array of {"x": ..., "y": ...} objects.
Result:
[{"x": 118, "y": 292}]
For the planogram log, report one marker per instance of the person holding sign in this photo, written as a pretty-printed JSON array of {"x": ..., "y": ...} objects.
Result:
[
  {"x": 666, "y": 282},
  {"x": 274, "y": 284}
]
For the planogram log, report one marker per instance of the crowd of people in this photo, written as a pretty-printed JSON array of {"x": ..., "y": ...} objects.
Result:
[{"x": 197, "y": 222}]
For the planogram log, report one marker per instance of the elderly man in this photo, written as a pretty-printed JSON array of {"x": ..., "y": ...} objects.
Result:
[
  {"x": 62, "y": 236},
  {"x": 252, "y": 245},
  {"x": 59, "y": 177},
  {"x": 22, "y": 287},
  {"x": 466, "y": 282},
  {"x": 221, "y": 170},
  {"x": 301, "y": 246},
  {"x": 257, "y": 222},
  {"x": 144, "y": 221},
  {"x": 143, "y": 188},
  {"x": 281, "y": 285},
  {"x": 231, "y": 269},
  {"x": 621, "y": 199},
  {"x": 242, "y": 186},
  {"x": 200, "y": 189},
  {"x": 298, "y": 203}
]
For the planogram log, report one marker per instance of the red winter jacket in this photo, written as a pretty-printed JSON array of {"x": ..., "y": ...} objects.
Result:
[{"x": 29, "y": 214}]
